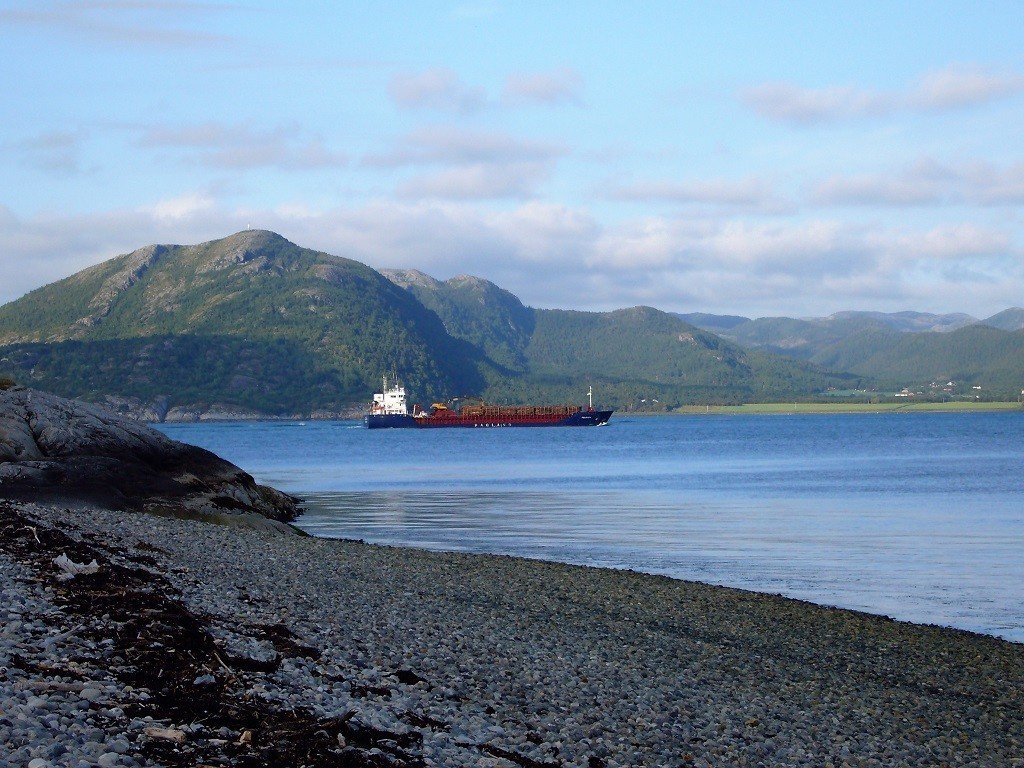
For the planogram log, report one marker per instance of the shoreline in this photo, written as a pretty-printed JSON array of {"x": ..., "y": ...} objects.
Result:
[
  {"x": 825, "y": 604},
  {"x": 771, "y": 409},
  {"x": 686, "y": 410},
  {"x": 459, "y": 659}
]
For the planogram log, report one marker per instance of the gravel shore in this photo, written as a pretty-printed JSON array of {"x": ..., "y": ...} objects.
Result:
[{"x": 202, "y": 644}]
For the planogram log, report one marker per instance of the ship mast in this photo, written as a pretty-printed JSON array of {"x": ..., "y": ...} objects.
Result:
[{"x": 590, "y": 397}]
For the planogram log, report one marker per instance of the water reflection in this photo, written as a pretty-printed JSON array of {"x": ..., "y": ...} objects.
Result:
[
  {"x": 854, "y": 555},
  {"x": 914, "y": 516}
]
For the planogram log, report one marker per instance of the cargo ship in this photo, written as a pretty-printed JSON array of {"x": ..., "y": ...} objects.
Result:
[{"x": 390, "y": 410}]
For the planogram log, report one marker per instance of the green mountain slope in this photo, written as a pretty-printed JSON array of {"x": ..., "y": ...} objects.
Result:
[
  {"x": 899, "y": 349},
  {"x": 254, "y": 322},
  {"x": 633, "y": 357},
  {"x": 1008, "y": 320},
  {"x": 974, "y": 356},
  {"x": 804, "y": 338},
  {"x": 251, "y": 320},
  {"x": 644, "y": 354},
  {"x": 477, "y": 311}
]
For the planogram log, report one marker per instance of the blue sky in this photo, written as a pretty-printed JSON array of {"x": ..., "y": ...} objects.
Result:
[{"x": 759, "y": 158}]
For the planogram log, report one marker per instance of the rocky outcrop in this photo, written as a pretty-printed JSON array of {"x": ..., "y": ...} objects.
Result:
[
  {"x": 409, "y": 278},
  {"x": 133, "y": 266},
  {"x": 57, "y": 449}
]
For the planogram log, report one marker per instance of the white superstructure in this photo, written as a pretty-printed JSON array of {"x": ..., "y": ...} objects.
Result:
[{"x": 391, "y": 401}]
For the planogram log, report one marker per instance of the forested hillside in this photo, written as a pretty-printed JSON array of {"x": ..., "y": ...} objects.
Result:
[
  {"x": 474, "y": 310},
  {"x": 251, "y": 320},
  {"x": 911, "y": 350},
  {"x": 640, "y": 358},
  {"x": 254, "y": 323},
  {"x": 974, "y": 356},
  {"x": 805, "y": 337}
]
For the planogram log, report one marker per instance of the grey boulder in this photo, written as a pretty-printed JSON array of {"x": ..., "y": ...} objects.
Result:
[{"x": 55, "y": 449}]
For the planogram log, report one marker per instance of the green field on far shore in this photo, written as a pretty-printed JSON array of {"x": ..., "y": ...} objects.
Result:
[{"x": 957, "y": 406}]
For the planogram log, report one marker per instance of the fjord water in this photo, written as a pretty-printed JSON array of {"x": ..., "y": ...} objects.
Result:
[{"x": 916, "y": 516}]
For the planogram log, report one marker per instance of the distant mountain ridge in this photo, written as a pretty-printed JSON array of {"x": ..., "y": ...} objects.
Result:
[
  {"x": 899, "y": 349},
  {"x": 974, "y": 356},
  {"x": 803, "y": 336},
  {"x": 254, "y": 325},
  {"x": 636, "y": 355},
  {"x": 1008, "y": 320}
]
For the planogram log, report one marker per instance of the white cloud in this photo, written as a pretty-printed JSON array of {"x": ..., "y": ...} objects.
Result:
[
  {"x": 473, "y": 164},
  {"x": 924, "y": 183},
  {"x": 651, "y": 242},
  {"x": 43, "y": 249},
  {"x": 478, "y": 181},
  {"x": 963, "y": 86},
  {"x": 789, "y": 103},
  {"x": 436, "y": 89},
  {"x": 809, "y": 248},
  {"x": 557, "y": 87},
  {"x": 439, "y": 237},
  {"x": 963, "y": 242},
  {"x": 750, "y": 192},
  {"x": 799, "y": 268},
  {"x": 549, "y": 234},
  {"x": 240, "y": 147},
  {"x": 950, "y": 88},
  {"x": 560, "y": 256},
  {"x": 443, "y": 90},
  {"x": 752, "y": 248},
  {"x": 447, "y": 144},
  {"x": 181, "y": 208},
  {"x": 143, "y": 23},
  {"x": 987, "y": 184},
  {"x": 56, "y": 152},
  {"x": 877, "y": 189}
]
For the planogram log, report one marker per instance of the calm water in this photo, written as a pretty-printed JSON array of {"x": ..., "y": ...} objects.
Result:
[{"x": 916, "y": 516}]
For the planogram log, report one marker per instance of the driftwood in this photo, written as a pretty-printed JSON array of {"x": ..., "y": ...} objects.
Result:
[{"x": 166, "y": 734}]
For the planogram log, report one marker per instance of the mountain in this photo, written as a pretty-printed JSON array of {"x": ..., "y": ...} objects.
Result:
[
  {"x": 898, "y": 349},
  {"x": 249, "y": 322},
  {"x": 1008, "y": 320},
  {"x": 254, "y": 325},
  {"x": 805, "y": 338},
  {"x": 477, "y": 311},
  {"x": 715, "y": 323},
  {"x": 977, "y": 358},
  {"x": 913, "y": 322},
  {"x": 642, "y": 352},
  {"x": 633, "y": 356}
]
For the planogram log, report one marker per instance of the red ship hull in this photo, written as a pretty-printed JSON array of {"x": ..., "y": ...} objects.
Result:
[
  {"x": 389, "y": 411},
  {"x": 494, "y": 416}
]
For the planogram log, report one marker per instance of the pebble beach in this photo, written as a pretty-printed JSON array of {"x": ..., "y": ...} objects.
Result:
[{"x": 356, "y": 654}]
